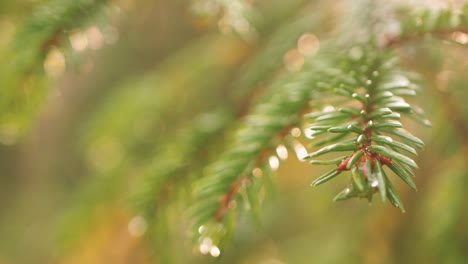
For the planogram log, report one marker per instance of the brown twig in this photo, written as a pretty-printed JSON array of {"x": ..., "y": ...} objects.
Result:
[{"x": 228, "y": 197}]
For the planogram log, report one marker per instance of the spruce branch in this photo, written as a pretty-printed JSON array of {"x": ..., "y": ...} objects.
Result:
[
  {"x": 373, "y": 85},
  {"x": 230, "y": 181},
  {"x": 370, "y": 88},
  {"x": 239, "y": 178}
]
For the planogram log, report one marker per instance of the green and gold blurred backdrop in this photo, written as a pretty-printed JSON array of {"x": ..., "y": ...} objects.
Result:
[{"x": 103, "y": 98}]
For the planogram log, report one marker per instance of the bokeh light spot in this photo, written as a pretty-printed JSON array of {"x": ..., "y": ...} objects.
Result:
[
  {"x": 78, "y": 40},
  {"x": 54, "y": 63},
  {"x": 137, "y": 226},
  {"x": 257, "y": 172},
  {"x": 460, "y": 37},
  {"x": 296, "y": 132},
  {"x": 95, "y": 38},
  {"x": 308, "y": 44},
  {"x": 300, "y": 150},
  {"x": 206, "y": 245},
  {"x": 293, "y": 60}
]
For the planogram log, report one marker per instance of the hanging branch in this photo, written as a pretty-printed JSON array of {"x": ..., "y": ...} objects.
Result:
[
  {"x": 239, "y": 177},
  {"x": 242, "y": 175}
]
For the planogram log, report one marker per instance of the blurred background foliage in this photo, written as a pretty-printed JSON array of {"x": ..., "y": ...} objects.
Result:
[{"x": 111, "y": 109}]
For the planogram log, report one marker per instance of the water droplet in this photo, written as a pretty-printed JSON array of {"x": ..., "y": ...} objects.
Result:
[
  {"x": 215, "y": 252},
  {"x": 361, "y": 139},
  {"x": 309, "y": 133},
  {"x": 201, "y": 229},
  {"x": 347, "y": 190},
  {"x": 274, "y": 162},
  {"x": 328, "y": 108},
  {"x": 206, "y": 245},
  {"x": 204, "y": 249},
  {"x": 375, "y": 183},
  {"x": 300, "y": 150},
  {"x": 282, "y": 152}
]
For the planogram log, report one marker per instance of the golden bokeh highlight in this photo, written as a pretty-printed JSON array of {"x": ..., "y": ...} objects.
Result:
[
  {"x": 78, "y": 40},
  {"x": 95, "y": 38},
  {"x": 460, "y": 37},
  {"x": 308, "y": 44},
  {"x": 293, "y": 60},
  {"x": 54, "y": 63}
]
